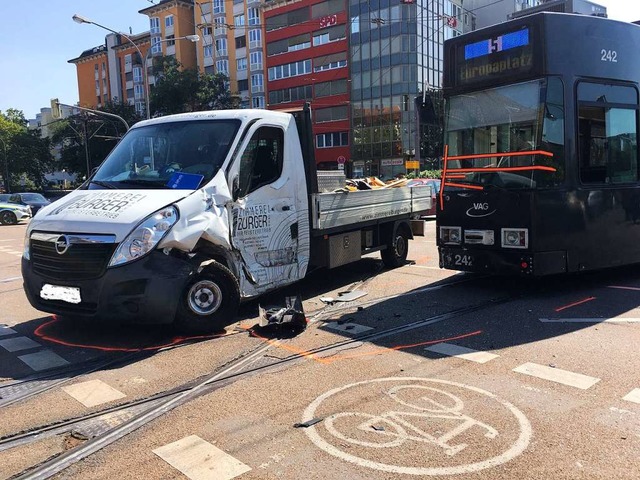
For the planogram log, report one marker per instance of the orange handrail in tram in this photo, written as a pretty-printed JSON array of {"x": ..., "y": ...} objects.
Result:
[{"x": 456, "y": 173}]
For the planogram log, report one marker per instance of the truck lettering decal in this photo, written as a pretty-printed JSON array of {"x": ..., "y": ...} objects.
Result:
[{"x": 102, "y": 204}]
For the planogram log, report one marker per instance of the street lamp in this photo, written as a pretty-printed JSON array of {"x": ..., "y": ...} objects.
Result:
[
  {"x": 79, "y": 19},
  {"x": 191, "y": 38}
]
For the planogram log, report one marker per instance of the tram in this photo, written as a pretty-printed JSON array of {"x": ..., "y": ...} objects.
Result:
[{"x": 540, "y": 169}]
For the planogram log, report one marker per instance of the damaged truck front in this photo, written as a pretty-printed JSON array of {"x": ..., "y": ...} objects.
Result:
[{"x": 191, "y": 214}]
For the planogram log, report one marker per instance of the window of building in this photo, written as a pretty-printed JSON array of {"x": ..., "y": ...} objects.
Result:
[
  {"x": 241, "y": 42},
  {"x": 243, "y": 85},
  {"x": 254, "y": 16},
  {"x": 292, "y": 44},
  {"x": 255, "y": 38},
  {"x": 170, "y": 40},
  {"x": 335, "y": 139},
  {"x": 241, "y": 64},
  {"x": 331, "y": 114},
  {"x": 608, "y": 128},
  {"x": 220, "y": 26},
  {"x": 222, "y": 66},
  {"x": 290, "y": 94},
  {"x": 261, "y": 162},
  {"x": 256, "y": 60},
  {"x": 334, "y": 87},
  {"x": 206, "y": 31},
  {"x": 138, "y": 91},
  {"x": 330, "y": 62},
  {"x": 287, "y": 19},
  {"x": 140, "y": 108},
  {"x": 238, "y": 20},
  {"x": 137, "y": 75},
  {"x": 208, "y": 51},
  {"x": 257, "y": 102},
  {"x": 221, "y": 47},
  {"x": 257, "y": 83},
  {"x": 154, "y": 25},
  {"x": 289, "y": 70},
  {"x": 328, "y": 7},
  {"x": 218, "y": 6},
  {"x": 156, "y": 45},
  {"x": 168, "y": 21},
  {"x": 329, "y": 35}
]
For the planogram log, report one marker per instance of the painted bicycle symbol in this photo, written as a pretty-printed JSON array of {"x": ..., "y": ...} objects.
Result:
[{"x": 395, "y": 427}]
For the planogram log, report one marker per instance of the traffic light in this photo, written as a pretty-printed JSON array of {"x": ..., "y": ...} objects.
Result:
[{"x": 55, "y": 108}]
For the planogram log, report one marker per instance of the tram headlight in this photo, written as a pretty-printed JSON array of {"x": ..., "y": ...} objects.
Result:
[
  {"x": 451, "y": 235},
  {"x": 515, "y": 238}
]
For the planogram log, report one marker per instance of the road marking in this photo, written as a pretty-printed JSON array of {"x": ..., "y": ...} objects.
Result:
[
  {"x": 4, "y": 331},
  {"x": 624, "y": 288},
  {"x": 465, "y": 353},
  {"x": 11, "y": 279},
  {"x": 575, "y": 304},
  {"x": 557, "y": 375},
  {"x": 633, "y": 396},
  {"x": 93, "y": 392},
  {"x": 590, "y": 320},
  {"x": 199, "y": 460},
  {"x": 43, "y": 360},
  {"x": 18, "y": 343},
  {"x": 396, "y": 422},
  {"x": 347, "y": 327}
]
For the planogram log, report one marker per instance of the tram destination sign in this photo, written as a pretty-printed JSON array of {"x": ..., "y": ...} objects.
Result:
[{"x": 505, "y": 55}]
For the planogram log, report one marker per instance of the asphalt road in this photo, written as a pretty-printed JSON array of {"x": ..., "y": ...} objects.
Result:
[{"x": 430, "y": 374}]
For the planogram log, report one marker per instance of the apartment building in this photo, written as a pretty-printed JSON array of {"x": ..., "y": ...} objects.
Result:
[
  {"x": 306, "y": 59},
  {"x": 93, "y": 77}
]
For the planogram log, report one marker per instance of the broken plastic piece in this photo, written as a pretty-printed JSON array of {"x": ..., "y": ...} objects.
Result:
[
  {"x": 377, "y": 428},
  {"x": 308, "y": 423},
  {"x": 291, "y": 313}
]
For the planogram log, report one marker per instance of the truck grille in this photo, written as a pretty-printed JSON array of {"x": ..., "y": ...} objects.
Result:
[{"x": 85, "y": 257}]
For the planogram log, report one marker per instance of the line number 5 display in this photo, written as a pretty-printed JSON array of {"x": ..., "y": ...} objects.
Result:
[{"x": 609, "y": 56}]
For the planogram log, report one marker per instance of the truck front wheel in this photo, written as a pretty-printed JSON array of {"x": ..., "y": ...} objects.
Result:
[
  {"x": 395, "y": 255},
  {"x": 209, "y": 301}
]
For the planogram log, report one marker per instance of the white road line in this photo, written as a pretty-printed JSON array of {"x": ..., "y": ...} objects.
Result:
[
  {"x": 4, "y": 331},
  {"x": 426, "y": 267},
  {"x": 93, "y": 392},
  {"x": 11, "y": 279},
  {"x": 462, "y": 352},
  {"x": 18, "y": 343},
  {"x": 557, "y": 375},
  {"x": 43, "y": 360},
  {"x": 624, "y": 288},
  {"x": 633, "y": 396},
  {"x": 591, "y": 320},
  {"x": 199, "y": 460}
]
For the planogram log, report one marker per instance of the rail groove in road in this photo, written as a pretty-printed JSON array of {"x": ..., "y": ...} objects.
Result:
[{"x": 230, "y": 373}]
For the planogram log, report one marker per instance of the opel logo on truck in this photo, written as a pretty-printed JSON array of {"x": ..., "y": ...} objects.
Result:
[{"x": 62, "y": 244}]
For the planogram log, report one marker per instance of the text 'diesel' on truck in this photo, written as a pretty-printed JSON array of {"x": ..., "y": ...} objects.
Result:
[{"x": 192, "y": 214}]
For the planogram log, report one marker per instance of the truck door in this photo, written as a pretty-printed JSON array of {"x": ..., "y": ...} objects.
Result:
[{"x": 264, "y": 218}]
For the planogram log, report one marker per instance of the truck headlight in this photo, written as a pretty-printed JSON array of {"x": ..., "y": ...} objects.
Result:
[
  {"x": 451, "y": 235},
  {"x": 145, "y": 236},
  {"x": 515, "y": 237}
]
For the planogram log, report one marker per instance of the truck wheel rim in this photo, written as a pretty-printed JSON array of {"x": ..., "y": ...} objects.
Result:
[
  {"x": 204, "y": 297},
  {"x": 401, "y": 245}
]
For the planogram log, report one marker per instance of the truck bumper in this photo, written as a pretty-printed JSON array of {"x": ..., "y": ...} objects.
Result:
[{"x": 144, "y": 291}]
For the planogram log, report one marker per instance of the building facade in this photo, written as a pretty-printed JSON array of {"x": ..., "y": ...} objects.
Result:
[{"x": 307, "y": 61}]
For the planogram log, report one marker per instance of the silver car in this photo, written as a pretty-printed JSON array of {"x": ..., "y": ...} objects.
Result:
[{"x": 11, "y": 213}]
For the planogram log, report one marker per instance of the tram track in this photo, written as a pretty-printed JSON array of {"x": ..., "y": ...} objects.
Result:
[{"x": 153, "y": 407}]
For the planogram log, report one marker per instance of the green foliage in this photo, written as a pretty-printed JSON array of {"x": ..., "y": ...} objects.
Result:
[
  {"x": 23, "y": 151},
  {"x": 179, "y": 90},
  {"x": 426, "y": 174}
]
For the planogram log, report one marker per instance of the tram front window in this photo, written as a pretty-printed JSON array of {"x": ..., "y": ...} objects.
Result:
[{"x": 507, "y": 119}]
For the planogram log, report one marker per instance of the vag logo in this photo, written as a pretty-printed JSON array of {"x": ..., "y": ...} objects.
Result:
[{"x": 480, "y": 210}]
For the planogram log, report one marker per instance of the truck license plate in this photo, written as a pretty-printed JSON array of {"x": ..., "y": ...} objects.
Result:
[{"x": 56, "y": 292}]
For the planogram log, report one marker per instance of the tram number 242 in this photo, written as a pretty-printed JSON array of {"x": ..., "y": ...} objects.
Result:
[
  {"x": 609, "y": 56},
  {"x": 461, "y": 260}
]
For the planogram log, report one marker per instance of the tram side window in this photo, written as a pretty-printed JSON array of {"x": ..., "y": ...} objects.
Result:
[{"x": 607, "y": 129}]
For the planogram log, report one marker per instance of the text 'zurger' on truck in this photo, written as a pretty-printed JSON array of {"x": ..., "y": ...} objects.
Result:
[{"x": 191, "y": 214}]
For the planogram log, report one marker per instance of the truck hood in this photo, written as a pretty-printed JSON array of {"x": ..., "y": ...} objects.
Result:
[{"x": 103, "y": 211}]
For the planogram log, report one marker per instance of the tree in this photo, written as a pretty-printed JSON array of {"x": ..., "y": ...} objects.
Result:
[
  {"x": 24, "y": 152},
  {"x": 102, "y": 132},
  {"x": 179, "y": 90}
]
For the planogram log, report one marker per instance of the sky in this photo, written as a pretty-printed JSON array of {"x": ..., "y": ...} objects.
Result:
[{"x": 38, "y": 37}]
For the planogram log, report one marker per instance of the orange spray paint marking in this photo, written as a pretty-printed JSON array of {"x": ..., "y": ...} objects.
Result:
[
  {"x": 559, "y": 309},
  {"x": 40, "y": 333}
]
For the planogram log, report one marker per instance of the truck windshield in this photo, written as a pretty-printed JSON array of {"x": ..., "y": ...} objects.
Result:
[
  {"x": 510, "y": 119},
  {"x": 149, "y": 156}
]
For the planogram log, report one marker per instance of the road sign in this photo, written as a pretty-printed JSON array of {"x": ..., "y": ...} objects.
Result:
[
  {"x": 413, "y": 164},
  {"x": 341, "y": 160},
  {"x": 341, "y": 166}
]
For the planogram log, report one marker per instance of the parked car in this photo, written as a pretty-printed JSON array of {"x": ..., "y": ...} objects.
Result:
[
  {"x": 12, "y": 213},
  {"x": 35, "y": 200},
  {"x": 434, "y": 183}
]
